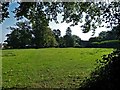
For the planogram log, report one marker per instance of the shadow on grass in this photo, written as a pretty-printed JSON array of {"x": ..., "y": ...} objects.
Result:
[{"x": 106, "y": 76}]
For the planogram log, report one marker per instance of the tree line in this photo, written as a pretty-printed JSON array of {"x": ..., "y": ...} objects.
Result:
[
  {"x": 105, "y": 39},
  {"x": 40, "y": 13},
  {"x": 25, "y": 35}
]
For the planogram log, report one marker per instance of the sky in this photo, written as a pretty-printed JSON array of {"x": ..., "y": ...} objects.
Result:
[{"x": 76, "y": 30}]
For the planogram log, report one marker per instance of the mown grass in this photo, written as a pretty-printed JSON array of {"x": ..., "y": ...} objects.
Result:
[{"x": 48, "y": 68}]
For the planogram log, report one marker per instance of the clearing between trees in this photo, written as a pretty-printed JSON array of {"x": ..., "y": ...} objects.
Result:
[{"x": 49, "y": 67}]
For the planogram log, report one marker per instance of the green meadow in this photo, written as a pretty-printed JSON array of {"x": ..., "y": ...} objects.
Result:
[{"x": 48, "y": 67}]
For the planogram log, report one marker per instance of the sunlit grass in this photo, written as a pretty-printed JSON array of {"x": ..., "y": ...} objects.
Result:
[{"x": 48, "y": 68}]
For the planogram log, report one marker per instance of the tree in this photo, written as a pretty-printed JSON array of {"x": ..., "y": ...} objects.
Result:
[
  {"x": 76, "y": 40},
  {"x": 49, "y": 38},
  {"x": 62, "y": 42},
  {"x": 33, "y": 12},
  {"x": 109, "y": 35},
  {"x": 95, "y": 12},
  {"x": 13, "y": 39},
  {"x": 68, "y": 31},
  {"x": 113, "y": 34},
  {"x": 103, "y": 35},
  {"x": 117, "y": 31},
  {"x": 57, "y": 34},
  {"x": 21, "y": 35},
  {"x": 68, "y": 40},
  {"x": 39, "y": 24},
  {"x": 4, "y": 11},
  {"x": 94, "y": 39}
]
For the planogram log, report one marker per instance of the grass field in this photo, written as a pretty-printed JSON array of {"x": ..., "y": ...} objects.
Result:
[{"x": 48, "y": 68}]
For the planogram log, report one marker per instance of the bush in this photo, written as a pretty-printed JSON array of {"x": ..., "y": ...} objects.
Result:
[
  {"x": 106, "y": 44},
  {"x": 106, "y": 75}
]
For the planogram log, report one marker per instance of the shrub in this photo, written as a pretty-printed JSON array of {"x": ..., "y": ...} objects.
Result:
[{"x": 106, "y": 75}]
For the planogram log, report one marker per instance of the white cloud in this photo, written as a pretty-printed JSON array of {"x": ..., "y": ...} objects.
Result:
[{"x": 76, "y": 30}]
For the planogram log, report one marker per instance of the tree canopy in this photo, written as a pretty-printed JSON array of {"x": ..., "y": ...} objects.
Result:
[
  {"x": 20, "y": 35},
  {"x": 93, "y": 13}
]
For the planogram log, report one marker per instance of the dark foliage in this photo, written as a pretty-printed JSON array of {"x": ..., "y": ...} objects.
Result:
[
  {"x": 106, "y": 44},
  {"x": 4, "y": 11},
  {"x": 106, "y": 76}
]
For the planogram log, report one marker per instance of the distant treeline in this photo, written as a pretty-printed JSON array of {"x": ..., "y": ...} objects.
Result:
[
  {"x": 106, "y": 39},
  {"x": 25, "y": 35},
  {"x": 102, "y": 44}
]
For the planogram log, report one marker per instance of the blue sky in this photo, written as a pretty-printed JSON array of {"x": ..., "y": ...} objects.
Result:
[
  {"x": 76, "y": 30},
  {"x": 8, "y": 22}
]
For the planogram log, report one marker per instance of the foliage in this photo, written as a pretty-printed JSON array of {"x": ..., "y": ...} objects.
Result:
[
  {"x": 57, "y": 34},
  {"x": 23, "y": 36},
  {"x": 95, "y": 13},
  {"x": 39, "y": 24},
  {"x": 106, "y": 44},
  {"x": 40, "y": 13},
  {"x": 77, "y": 41},
  {"x": 94, "y": 39},
  {"x": 109, "y": 35},
  {"x": 20, "y": 36},
  {"x": 107, "y": 39},
  {"x": 4, "y": 11},
  {"x": 49, "y": 38},
  {"x": 105, "y": 76},
  {"x": 68, "y": 40}
]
